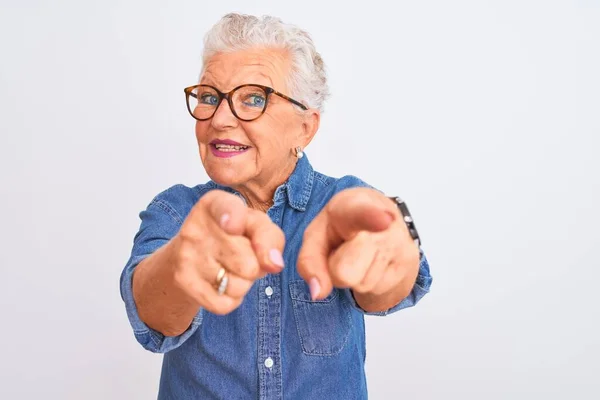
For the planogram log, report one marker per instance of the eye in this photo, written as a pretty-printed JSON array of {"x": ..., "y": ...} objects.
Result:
[
  {"x": 255, "y": 100},
  {"x": 208, "y": 98}
]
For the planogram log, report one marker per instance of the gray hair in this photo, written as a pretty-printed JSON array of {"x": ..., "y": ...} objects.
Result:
[{"x": 307, "y": 81}]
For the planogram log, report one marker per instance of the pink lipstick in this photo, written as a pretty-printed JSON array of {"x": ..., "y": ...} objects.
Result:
[{"x": 226, "y": 148}]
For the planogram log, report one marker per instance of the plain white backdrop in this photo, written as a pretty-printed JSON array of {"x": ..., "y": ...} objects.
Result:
[{"x": 484, "y": 116}]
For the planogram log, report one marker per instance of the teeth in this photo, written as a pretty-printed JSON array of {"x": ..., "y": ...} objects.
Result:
[{"x": 229, "y": 147}]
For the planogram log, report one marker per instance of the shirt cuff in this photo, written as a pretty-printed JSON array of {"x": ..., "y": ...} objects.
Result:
[{"x": 149, "y": 338}]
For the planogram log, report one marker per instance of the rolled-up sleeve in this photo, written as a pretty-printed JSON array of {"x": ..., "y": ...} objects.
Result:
[
  {"x": 420, "y": 289},
  {"x": 159, "y": 223}
]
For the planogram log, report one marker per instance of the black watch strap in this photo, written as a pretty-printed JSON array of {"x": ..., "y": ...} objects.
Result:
[{"x": 408, "y": 219}]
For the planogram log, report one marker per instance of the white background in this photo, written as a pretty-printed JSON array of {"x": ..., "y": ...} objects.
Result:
[{"x": 484, "y": 116}]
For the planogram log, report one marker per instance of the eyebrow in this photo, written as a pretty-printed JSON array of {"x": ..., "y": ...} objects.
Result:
[{"x": 206, "y": 80}]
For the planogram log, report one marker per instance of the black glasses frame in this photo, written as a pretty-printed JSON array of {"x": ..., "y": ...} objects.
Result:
[{"x": 268, "y": 91}]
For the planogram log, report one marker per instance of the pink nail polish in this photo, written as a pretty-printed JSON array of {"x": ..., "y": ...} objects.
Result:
[
  {"x": 276, "y": 257},
  {"x": 315, "y": 288}
]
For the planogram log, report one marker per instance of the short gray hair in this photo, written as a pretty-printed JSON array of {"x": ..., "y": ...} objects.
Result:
[{"x": 307, "y": 82}]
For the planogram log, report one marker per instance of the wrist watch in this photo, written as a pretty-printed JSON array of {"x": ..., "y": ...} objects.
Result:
[{"x": 410, "y": 224}]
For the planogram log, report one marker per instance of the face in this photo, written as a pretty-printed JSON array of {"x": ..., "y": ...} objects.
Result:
[{"x": 267, "y": 156}]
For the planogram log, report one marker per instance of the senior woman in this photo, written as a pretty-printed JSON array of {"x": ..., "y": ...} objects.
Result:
[{"x": 255, "y": 284}]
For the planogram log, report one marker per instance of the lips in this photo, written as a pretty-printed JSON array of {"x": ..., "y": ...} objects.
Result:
[{"x": 226, "y": 148}]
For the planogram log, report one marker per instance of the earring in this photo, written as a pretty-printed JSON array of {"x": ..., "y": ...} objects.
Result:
[{"x": 299, "y": 152}]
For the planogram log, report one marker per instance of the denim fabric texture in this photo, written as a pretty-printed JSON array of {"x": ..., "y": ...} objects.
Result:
[{"x": 279, "y": 344}]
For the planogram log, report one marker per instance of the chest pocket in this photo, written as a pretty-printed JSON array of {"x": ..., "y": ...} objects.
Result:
[{"x": 323, "y": 325}]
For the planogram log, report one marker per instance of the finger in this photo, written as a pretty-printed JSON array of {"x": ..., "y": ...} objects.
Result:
[
  {"x": 349, "y": 264},
  {"x": 358, "y": 209},
  {"x": 403, "y": 268},
  {"x": 376, "y": 271},
  {"x": 388, "y": 280},
  {"x": 312, "y": 262},
  {"x": 202, "y": 283},
  {"x": 268, "y": 241},
  {"x": 236, "y": 255},
  {"x": 227, "y": 210},
  {"x": 237, "y": 287},
  {"x": 384, "y": 245},
  {"x": 206, "y": 295}
]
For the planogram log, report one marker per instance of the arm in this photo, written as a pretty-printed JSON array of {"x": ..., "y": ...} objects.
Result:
[
  {"x": 169, "y": 280},
  {"x": 161, "y": 302},
  {"x": 150, "y": 256}
]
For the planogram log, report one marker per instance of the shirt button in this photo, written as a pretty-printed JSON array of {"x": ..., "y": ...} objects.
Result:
[
  {"x": 269, "y": 362},
  {"x": 269, "y": 291}
]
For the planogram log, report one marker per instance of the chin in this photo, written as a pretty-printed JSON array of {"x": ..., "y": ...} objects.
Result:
[
  {"x": 231, "y": 172},
  {"x": 226, "y": 176}
]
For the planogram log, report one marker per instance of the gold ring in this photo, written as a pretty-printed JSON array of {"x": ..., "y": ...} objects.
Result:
[
  {"x": 220, "y": 275},
  {"x": 222, "y": 281}
]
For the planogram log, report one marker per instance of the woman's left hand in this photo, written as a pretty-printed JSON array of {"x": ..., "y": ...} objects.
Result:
[{"x": 360, "y": 241}]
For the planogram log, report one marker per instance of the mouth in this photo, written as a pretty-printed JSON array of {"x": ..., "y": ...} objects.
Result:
[{"x": 227, "y": 148}]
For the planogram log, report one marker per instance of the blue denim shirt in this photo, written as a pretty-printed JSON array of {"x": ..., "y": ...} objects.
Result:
[{"x": 279, "y": 344}]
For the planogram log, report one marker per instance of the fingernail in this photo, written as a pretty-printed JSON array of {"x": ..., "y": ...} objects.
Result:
[
  {"x": 224, "y": 220},
  {"x": 315, "y": 288},
  {"x": 276, "y": 257}
]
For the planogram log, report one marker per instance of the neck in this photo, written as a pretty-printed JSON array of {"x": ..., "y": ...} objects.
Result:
[{"x": 259, "y": 194}]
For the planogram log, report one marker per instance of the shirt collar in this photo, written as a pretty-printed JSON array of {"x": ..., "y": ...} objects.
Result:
[
  {"x": 298, "y": 187},
  {"x": 299, "y": 184}
]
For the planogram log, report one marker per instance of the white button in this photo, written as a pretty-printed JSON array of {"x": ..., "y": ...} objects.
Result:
[
  {"x": 269, "y": 291},
  {"x": 269, "y": 362}
]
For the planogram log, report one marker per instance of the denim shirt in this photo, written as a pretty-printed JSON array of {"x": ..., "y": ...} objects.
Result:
[{"x": 279, "y": 344}]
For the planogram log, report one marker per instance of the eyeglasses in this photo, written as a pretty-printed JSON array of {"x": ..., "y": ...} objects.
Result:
[{"x": 247, "y": 102}]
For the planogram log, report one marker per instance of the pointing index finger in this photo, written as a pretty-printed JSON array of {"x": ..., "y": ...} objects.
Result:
[{"x": 227, "y": 210}]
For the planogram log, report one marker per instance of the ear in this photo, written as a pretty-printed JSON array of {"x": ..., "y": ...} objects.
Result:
[{"x": 310, "y": 125}]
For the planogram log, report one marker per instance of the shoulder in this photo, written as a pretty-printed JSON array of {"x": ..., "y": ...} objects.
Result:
[
  {"x": 178, "y": 200},
  {"x": 182, "y": 194},
  {"x": 325, "y": 187},
  {"x": 334, "y": 185}
]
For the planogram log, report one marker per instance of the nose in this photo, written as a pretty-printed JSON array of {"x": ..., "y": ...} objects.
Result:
[{"x": 223, "y": 117}]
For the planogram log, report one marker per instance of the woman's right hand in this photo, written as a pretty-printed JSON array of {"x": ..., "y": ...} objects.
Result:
[
  {"x": 220, "y": 231},
  {"x": 172, "y": 284}
]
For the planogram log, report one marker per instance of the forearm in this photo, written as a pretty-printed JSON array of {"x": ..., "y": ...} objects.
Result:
[{"x": 161, "y": 304}]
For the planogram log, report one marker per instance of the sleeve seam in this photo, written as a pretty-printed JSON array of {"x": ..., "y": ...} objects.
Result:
[{"x": 168, "y": 209}]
